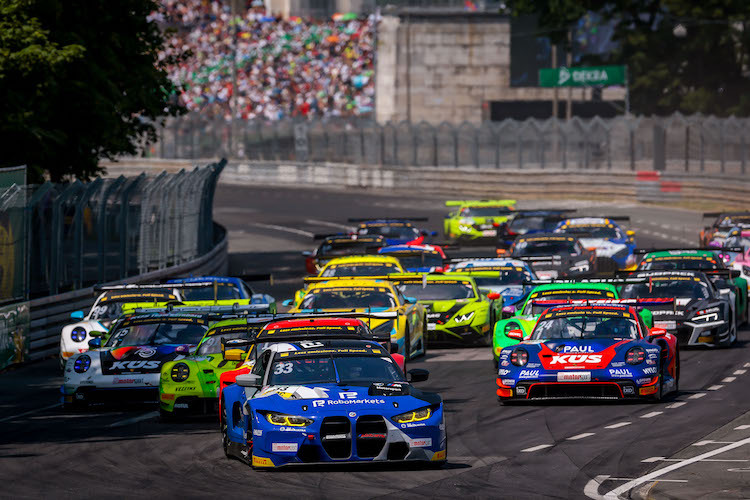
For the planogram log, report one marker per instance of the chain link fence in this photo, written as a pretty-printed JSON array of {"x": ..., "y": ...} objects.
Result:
[{"x": 676, "y": 143}]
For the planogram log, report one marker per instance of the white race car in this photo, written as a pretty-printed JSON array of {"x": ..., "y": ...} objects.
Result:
[{"x": 107, "y": 308}]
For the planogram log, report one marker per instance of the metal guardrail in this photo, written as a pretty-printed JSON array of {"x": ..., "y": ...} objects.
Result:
[
  {"x": 695, "y": 143},
  {"x": 50, "y": 314}
]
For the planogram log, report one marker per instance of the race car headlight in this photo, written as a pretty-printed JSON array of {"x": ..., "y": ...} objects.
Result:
[
  {"x": 635, "y": 356},
  {"x": 519, "y": 357},
  {"x": 463, "y": 318},
  {"x": 707, "y": 315},
  {"x": 180, "y": 372},
  {"x": 581, "y": 266},
  {"x": 78, "y": 334},
  {"x": 82, "y": 364},
  {"x": 287, "y": 420},
  {"x": 384, "y": 329},
  {"x": 464, "y": 228},
  {"x": 413, "y": 416}
]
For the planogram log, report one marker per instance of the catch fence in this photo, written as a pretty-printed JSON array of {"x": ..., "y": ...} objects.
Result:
[{"x": 681, "y": 143}]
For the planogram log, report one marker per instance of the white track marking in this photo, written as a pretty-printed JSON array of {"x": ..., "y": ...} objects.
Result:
[
  {"x": 591, "y": 489},
  {"x": 658, "y": 473},
  {"x": 282, "y": 228},
  {"x": 742, "y": 427},
  {"x": 133, "y": 420},
  {"x": 335, "y": 225},
  {"x": 618, "y": 425},
  {"x": 581, "y": 436},
  {"x": 707, "y": 460},
  {"x": 676, "y": 405},
  {"x": 714, "y": 387},
  {"x": 697, "y": 395},
  {"x": 711, "y": 441},
  {"x": 652, "y": 414},
  {"x": 537, "y": 448},
  {"x": 739, "y": 372},
  {"x": 747, "y": 365},
  {"x": 652, "y": 460},
  {"x": 729, "y": 379},
  {"x": 6, "y": 419}
]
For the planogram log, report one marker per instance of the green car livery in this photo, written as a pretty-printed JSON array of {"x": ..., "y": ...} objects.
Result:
[
  {"x": 189, "y": 385},
  {"x": 526, "y": 316},
  {"x": 458, "y": 312},
  {"x": 476, "y": 220}
]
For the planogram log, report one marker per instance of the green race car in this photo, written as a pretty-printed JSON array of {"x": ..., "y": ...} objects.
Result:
[
  {"x": 705, "y": 260},
  {"x": 476, "y": 220},
  {"x": 189, "y": 385},
  {"x": 506, "y": 331},
  {"x": 458, "y": 312}
]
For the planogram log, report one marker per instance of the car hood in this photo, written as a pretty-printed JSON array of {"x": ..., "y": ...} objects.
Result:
[
  {"x": 604, "y": 247},
  {"x": 138, "y": 359}
]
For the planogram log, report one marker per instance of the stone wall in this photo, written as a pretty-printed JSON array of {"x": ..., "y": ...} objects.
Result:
[{"x": 443, "y": 66}]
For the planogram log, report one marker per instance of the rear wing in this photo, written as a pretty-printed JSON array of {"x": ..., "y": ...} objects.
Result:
[
  {"x": 541, "y": 258},
  {"x": 643, "y": 251},
  {"x": 131, "y": 286},
  {"x": 388, "y": 219},
  {"x": 603, "y": 302},
  {"x": 217, "y": 311},
  {"x": 718, "y": 273},
  {"x": 479, "y": 203},
  {"x": 322, "y": 279},
  {"x": 613, "y": 281}
]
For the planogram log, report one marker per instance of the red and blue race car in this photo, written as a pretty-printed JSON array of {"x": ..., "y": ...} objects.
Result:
[{"x": 590, "y": 350}]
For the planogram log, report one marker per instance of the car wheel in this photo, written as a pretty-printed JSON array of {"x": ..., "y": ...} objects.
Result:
[
  {"x": 224, "y": 432},
  {"x": 732, "y": 334},
  {"x": 424, "y": 338},
  {"x": 407, "y": 345}
]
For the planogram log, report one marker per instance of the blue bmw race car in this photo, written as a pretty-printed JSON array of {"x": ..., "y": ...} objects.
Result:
[
  {"x": 395, "y": 231},
  {"x": 614, "y": 245},
  {"x": 599, "y": 350},
  {"x": 330, "y": 398},
  {"x": 224, "y": 291}
]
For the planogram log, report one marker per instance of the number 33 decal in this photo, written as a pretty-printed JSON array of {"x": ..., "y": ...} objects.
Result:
[{"x": 283, "y": 368}]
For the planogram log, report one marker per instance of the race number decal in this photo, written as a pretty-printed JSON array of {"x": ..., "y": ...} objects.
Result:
[
  {"x": 283, "y": 368},
  {"x": 309, "y": 344}
]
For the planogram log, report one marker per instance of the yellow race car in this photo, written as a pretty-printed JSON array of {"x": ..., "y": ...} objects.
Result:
[{"x": 354, "y": 294}]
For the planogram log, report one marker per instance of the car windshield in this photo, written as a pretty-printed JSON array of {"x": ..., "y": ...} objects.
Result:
[
  {"x": 348, "y": 298},
  {"x": 400, "y": 232},
  {"x": 511, "y": 277},
  {"x": 535, "y": 309},
  {"x": 348, "y": 247},
  {"x": 438, "y": 291},
  {"x": 341, "y": 369},
  {"x": 684, "y": 288},
  {"x": 361, "y": 269},
  {"x": 157, "y": 334},
  {"x": 106, "y": 312},
  {"x": 522, "y": 225},
  {"x": 223, "y": 291},
  {"x": 485, "y": 211},
  {"x": 527, "y": 248},
  {"x": 212, "y": 344},
  {"x": 421, "y": 259},
  {"x": 585, "y": 327},
  {"x": 608, "y": 232},
  {"x": 680, "y": 265}
]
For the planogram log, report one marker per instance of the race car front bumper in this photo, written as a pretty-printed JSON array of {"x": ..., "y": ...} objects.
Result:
[
  {"x": 188, "y": 405},
  {"x": 456, "y": 336},
  {"x": 605, "y": 390},
  {"x": 701, "y": 334}
]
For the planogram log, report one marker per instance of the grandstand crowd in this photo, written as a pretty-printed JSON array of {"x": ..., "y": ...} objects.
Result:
[{"x": 286, "y": 68}]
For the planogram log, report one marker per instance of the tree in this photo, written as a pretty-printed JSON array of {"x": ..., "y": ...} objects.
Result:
[
  {"x": 81, "y": 81},
  {"x": 682, "y": 55}
]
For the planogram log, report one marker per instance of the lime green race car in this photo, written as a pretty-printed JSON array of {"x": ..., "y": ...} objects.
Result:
[
  {"x": 189, "y": 385},
  {"x": 506, "y": 331},
  {"x": 476, "y": 220},
  {"x": 458, "y": 312}
]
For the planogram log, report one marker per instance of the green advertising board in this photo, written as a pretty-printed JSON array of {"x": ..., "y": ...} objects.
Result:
[{"x": 592, "y": 76}]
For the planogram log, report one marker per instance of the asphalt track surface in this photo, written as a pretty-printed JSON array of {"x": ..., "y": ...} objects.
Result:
[{"x": 525, "y": 451}]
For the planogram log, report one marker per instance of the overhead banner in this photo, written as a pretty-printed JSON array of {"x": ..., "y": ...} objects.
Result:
[{"x": 592, "y": 76}]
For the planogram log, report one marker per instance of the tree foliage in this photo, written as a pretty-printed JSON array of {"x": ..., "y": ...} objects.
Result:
[
  {"x": 704, "y": 68},
  {"x": 80, "y": 81}
]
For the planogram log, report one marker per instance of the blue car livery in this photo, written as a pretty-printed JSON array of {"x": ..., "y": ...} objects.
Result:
[
  {"x": 225, "y": 288},
  {"x": 331, "y": 401},
  {"x": 417, "y": 258},
  {"x": 612, "y": 243},
  {"x": 590, "y": 352},
  {"x": 395, "y": 231}
]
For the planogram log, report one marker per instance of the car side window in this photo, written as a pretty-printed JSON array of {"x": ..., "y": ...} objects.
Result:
[
  {"x": 260, "y": 367},
  {"x": 245, "y": 289}
]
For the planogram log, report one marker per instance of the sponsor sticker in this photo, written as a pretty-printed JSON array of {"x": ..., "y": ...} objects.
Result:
[
  {"x": 503, "y": 371},
  {"x": 529, "y": 374},
  {"x": 620, "y": 372},
  {"x": 119, "y": 380},
  {"x": 257, "y": 432},
  {"x": 574, "y": 377},
  {"x": 628, "y": 389},
  {"x": 421, "y": 442},
  {"x": 651, "y": 370},
  {"x": 521, "y": 391},
  {"x": 146, "y": 352},
  {"x": 508, "y": 381},
  {"x": 576, "y": 348},
  {"x": 284, "y": 447}
]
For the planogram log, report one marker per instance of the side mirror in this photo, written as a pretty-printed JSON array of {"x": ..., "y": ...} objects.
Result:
[
  {"x": 95, "y": 343},
  {"x": 77, "y": 315},
  {"x": 288, "y": 303},
  {"x": 515, "y": 334},
  {"x": 95, "y": 333},
  {"x": 410, "y": 300},
  {"x": 307, "y": 253},
  {"x": 493, "y": 296},
  {"x": 657, "y": 332},
  {"x": 234, "y": 354},
  {"x": 248, "y": 380},
  {"x": 417, "y": 375}
]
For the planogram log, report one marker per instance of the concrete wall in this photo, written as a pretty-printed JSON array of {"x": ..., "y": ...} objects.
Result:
[{"x": 443, "y": 66}]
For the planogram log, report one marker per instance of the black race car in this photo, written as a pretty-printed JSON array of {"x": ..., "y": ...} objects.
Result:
[
  {"x": 527, "y": 222},
  {"x": 340, "y": 245},
  {"x": 700, "y": 315},
  {"x": 553, "y": 255}
]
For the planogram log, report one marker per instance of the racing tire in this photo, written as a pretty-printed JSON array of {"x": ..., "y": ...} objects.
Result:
[
  {"x": 407, "y": 345},
  {"x": 224, "y": 433},
  {"x": 732, "y": 334},
  {"x": 166, "y": 416}
]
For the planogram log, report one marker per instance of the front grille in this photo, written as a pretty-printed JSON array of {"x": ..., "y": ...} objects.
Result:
[
  {"x": 604, "y": 390},
  {"x": 336, "y": 435},
  {"x": 683, "y": 333},
  {"x": 371, "y": 435},
  {"x": 397, "y": 451},
  {"x": 439, "y": 317}
]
